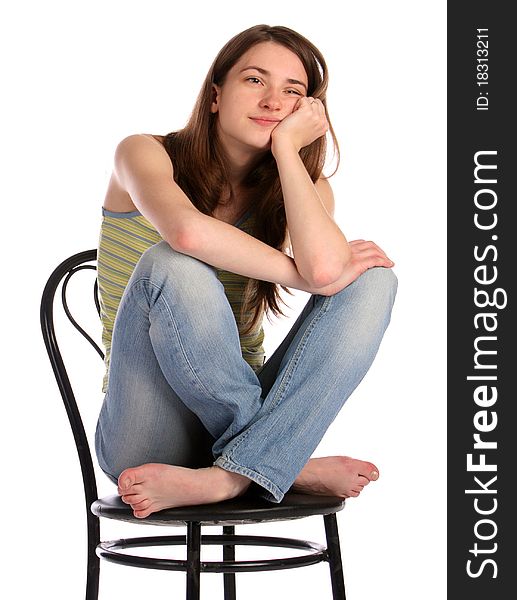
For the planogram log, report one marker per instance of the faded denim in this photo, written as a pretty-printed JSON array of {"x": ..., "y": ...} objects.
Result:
[{"x": 180, "y": 392}]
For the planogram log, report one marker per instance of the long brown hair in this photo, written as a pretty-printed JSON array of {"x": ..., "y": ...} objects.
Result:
[{"x": 200, "y": 165}]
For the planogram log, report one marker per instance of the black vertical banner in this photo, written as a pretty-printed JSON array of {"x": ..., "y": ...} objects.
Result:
[{"x": 482, "y": 268}]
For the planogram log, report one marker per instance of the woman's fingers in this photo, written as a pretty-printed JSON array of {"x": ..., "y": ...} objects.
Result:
[
  {"x": 305, "y": 124},
  {"x": 362, "y": 248},
  {"x": 317, "y": 105}
]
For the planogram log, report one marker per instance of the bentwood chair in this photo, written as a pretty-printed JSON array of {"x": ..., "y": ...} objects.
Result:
[{"x": 228, "y": 514}]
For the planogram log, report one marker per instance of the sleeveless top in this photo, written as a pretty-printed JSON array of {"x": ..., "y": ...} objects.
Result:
[{"x": 124, "y": 237}]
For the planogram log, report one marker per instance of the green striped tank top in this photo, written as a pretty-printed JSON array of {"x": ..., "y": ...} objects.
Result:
[{"x": 124, "y": 237}]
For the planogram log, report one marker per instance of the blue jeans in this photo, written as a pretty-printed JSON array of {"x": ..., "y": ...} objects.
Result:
[{"x": 180, "y": 392}]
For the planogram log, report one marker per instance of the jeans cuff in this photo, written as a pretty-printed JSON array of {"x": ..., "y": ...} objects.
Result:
[{"x": 271, "y": 492}]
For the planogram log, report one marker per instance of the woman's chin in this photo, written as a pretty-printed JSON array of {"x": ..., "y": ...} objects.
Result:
[{"x": 264, "y": 145}]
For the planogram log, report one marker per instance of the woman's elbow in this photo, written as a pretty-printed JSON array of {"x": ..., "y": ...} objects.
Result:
[
  {"x": 183, "y": 240},
  {"x": 323, "y": 275},
  {"x": 328, "y": 271},
  {"x": 183, "y": 237}
]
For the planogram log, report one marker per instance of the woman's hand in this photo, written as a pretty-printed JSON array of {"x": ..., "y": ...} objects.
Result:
[
  {"x": 305, "y": 124},
  {"x": 365, "y": 255}
]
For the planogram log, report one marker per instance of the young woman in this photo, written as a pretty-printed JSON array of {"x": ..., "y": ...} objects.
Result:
[{"x": 202, "y": 228}]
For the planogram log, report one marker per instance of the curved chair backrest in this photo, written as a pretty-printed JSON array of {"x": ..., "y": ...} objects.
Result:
[{"x": 62, "y": 275}]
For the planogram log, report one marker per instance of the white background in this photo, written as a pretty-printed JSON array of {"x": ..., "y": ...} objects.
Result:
[{"x": 77, "y": 78}]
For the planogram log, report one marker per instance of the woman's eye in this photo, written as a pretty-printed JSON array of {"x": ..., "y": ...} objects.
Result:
[{"x": 290, "y": 92}]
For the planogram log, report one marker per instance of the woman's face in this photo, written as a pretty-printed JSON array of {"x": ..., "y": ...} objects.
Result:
[{"x": 260, "y": 90}]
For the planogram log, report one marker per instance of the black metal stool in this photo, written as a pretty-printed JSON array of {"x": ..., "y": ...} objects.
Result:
[{"x": 243, "y": 510}]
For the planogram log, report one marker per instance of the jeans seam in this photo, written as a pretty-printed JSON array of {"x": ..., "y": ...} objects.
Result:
[
  {"x": 198, "y": 382},
  {"x": 289, "y": 371},
  {"x": 131, "y": 287}
]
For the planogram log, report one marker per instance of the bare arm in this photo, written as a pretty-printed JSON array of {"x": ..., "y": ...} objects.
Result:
[
  {"x": 321, "y": 251},
  {"x": 144, "y": 170},
  {"x": 363, "y": 254}
]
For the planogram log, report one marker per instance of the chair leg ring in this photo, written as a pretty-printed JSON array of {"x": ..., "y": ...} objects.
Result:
[
  {"x": 194, "y": 566},
  {"x": 108, "y": 551}
]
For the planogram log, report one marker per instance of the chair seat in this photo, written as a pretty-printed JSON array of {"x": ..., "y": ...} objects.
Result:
[{"x": 246, "y": 509}]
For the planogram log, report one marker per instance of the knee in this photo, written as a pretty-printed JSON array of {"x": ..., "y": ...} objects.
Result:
[
  {"x": 379, "y": 282},
  {"x": 375, "y": 290},
  {"x": 180, "y": 281},
  {"x": 162, "y": 256},
  {"x": 160, "y": 262},
  {"x": 365, "y": 306}
]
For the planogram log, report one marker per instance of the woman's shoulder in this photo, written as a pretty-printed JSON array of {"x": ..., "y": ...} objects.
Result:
[
  {"x": 139, "y": 140},
  {"x": 142, "y": 150},
  {"x": 137, "y": 155},
  {"x": 157, "y": 138}
]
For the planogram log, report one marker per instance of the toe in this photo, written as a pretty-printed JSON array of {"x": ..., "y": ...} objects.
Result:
[
  {"x": 142, "y": 514},
  {"x": 141, "y": 506},
  {"x": 370, "y": 471},
  {"x": 125, "y": 481},
  {"x": 129, "y": 480},
  {"x": 132, "y": 498}
]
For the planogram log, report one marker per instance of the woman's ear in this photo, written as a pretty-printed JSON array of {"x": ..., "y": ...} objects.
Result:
[{"x": 216, "y": 90}]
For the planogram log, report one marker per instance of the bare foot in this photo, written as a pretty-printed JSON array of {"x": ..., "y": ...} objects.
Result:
[
  {"x": 340, "y": 476},
  {"x": 153, "y": 486}
]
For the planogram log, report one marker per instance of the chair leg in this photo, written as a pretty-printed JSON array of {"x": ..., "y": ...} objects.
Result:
[
  {"x": 193, "y": 559},
  {"x": 334, "y": 553},
  {"x": 93, "y": 566},
  {"x": 229, "y": 555}
]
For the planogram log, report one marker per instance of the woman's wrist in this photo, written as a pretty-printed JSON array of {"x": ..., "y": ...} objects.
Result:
[{"x": 283, "y": 145}]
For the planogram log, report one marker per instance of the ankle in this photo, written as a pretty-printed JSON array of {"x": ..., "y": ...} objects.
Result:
[{"x": 230, "y": 484}]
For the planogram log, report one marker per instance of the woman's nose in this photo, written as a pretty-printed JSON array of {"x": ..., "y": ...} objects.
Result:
[{"x": 271, "y": 99}]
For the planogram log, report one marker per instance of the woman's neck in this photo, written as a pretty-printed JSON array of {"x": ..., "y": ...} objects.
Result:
[
  {"x": 231, "y": 207},
  {"x": 239, "y": 164}
]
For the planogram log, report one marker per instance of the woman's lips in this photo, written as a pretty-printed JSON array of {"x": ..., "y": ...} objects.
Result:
[{"x": 265, "y": 122}]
